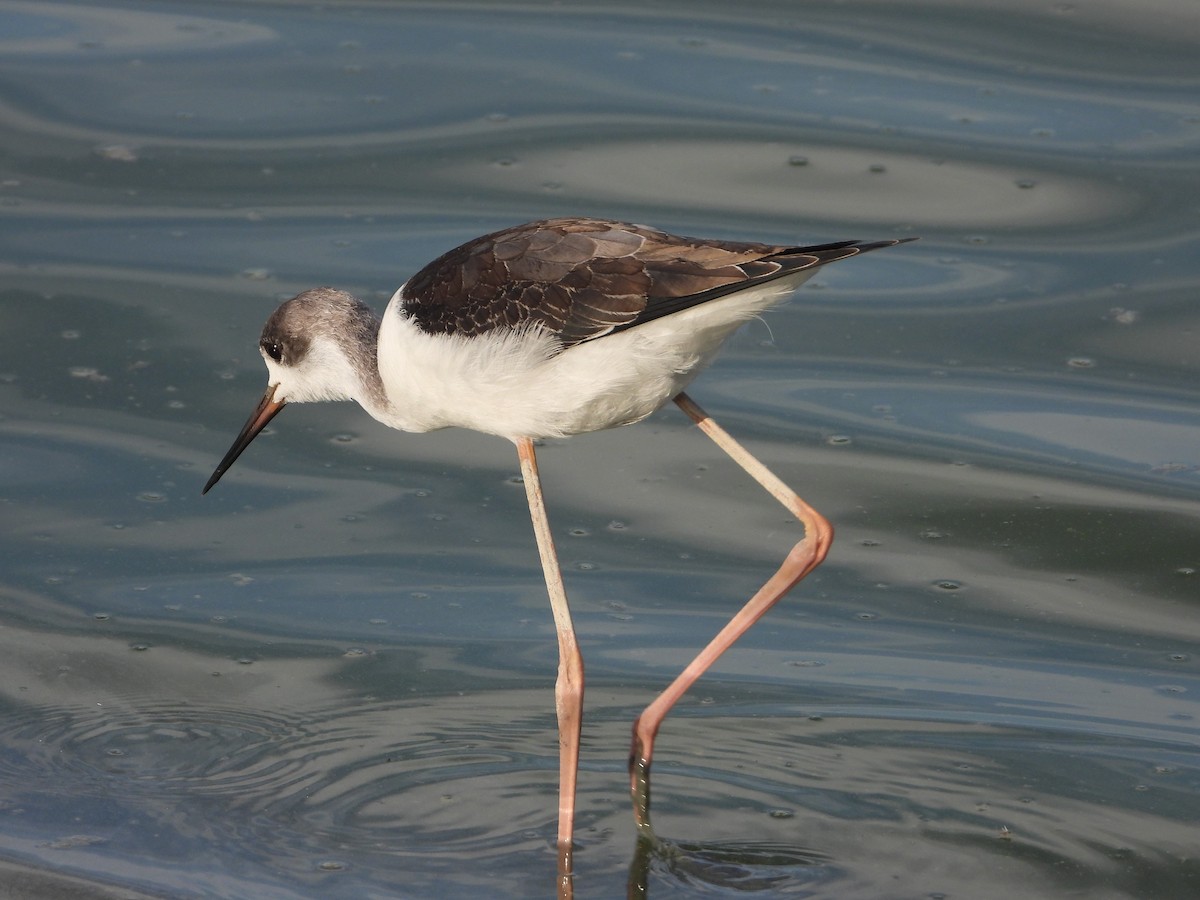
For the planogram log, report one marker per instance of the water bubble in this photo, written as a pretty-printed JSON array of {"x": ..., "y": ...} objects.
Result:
[
  {"x": 87, "y": 373},
  {"x": 117, "y": 152},
  {"x": 1123, "y": 316}
]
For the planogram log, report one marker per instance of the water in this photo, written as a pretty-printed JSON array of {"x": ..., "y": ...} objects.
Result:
[{"x": 332, "y": 675}]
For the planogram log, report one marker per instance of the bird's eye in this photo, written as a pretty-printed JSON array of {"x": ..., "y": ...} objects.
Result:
[{"x": 273, "y": 350}]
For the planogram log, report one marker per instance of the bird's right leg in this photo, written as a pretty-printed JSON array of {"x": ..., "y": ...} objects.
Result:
[
  {"x": 803, "y": 558},
  {"x": 568, "y": 689}
]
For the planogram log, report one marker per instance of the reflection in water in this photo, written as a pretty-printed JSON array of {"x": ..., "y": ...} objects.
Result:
[
  {"x": 744, "y": 177},
  {"x": 989, "y": 690},
  {"x": 775, "y": 870},
  {"x": 290, "y": 768}
]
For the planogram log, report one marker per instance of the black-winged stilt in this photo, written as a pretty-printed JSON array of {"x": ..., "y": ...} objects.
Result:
[{"x": 548, "y": 329}]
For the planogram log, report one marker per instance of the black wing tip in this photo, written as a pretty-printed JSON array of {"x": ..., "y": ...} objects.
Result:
[
  {"x": 864, "y": 246},
  {"x": 842, "y": 249},
  {"x": 795, "y": 258}
]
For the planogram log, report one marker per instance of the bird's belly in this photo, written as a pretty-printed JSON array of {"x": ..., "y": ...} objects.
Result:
[
  {"x": 617, "y": 380},
  {"x": 518, "y": 384},
  {"x": 604, "y": 383}
]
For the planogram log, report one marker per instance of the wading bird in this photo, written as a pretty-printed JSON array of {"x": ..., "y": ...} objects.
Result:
[{"x": 548, "y": 329}]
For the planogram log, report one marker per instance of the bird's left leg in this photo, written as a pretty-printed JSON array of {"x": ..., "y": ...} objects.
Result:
[
  {"x": 803, "y": 558},
  {"x": 568, "y": 689}
]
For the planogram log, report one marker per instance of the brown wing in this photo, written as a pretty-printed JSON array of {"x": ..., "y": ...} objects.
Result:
[{"x": 583, "y": 278}]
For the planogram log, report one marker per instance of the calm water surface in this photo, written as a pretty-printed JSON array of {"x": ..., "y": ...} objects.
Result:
[{"x": 332, "y": 676}]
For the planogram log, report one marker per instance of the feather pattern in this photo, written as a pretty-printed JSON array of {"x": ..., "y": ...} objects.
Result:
[{"x": 579, "y": 279}]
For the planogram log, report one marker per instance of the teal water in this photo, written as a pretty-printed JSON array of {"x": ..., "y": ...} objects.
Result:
[{"x": 332, "y": 676}]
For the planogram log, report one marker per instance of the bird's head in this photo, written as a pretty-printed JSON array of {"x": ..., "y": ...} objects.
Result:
[{"x": 317, "y": 346}]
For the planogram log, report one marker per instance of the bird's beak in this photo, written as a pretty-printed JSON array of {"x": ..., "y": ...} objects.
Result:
[{"x": 266, "y": 410}]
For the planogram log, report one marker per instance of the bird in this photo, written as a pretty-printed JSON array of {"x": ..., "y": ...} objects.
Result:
[{"x": 544, "y": 330}]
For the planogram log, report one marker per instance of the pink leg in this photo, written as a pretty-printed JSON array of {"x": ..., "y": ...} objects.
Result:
[
  {"x": 803, "y": 558},
  {"x": 568, "y": 690}
]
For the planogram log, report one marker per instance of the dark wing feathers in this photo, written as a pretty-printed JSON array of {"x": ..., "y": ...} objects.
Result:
[{"x": 584, "y": 278}]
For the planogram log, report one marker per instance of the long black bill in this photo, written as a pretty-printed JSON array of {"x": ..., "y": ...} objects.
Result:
[{"x": 266, "y": 410}]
